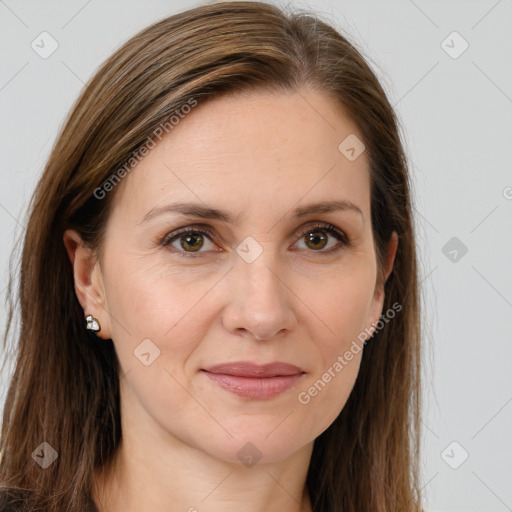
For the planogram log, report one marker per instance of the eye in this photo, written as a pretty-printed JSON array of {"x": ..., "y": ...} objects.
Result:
[
  {"x": 190, "y": 240},
  {"x": 316, "y": 238}
]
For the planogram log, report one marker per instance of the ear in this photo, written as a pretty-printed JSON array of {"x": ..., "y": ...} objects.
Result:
[
  {"x": 88, "y": 280},
  {"x": 379, "y": 294}
]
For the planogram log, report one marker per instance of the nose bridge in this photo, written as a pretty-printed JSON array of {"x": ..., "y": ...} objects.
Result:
[
  {"x": 257, "y": 270},
  {"x": 260, "y": 302}
]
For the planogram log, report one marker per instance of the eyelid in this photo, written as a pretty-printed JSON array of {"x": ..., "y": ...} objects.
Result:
[
  {"x": 328, "y": 227},
  {"x": 201, "y": 228},
  {"x": 343, "y": 238}
]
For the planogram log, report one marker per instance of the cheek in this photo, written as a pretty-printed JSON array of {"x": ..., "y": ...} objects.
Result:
[
  {"x": 147, "y": 303},
  {"x": 324, "y": 394},
  {"x": 343, "y": 305}
]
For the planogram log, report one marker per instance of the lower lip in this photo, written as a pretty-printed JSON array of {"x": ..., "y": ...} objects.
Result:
[{"x": 255, "y": 387}]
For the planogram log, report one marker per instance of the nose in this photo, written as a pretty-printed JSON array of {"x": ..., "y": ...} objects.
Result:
[{"x": 260, "y": 303}]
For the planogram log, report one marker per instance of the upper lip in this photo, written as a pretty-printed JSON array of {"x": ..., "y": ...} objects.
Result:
[{"x": 247, "y": 369}]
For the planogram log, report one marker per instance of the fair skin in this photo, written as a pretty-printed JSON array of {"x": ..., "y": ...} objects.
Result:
[{"x": 259, "y": 157}]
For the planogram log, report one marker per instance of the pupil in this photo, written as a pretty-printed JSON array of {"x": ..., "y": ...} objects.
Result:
[
  {"x": 192, "y": 237},
  {"x": 314, "y": 236}
]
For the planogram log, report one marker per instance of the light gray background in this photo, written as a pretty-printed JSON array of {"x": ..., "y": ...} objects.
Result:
[{"x": 457, "y": 120}]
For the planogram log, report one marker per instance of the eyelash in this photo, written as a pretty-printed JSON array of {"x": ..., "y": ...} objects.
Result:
[{"x": 329, "y": 228}]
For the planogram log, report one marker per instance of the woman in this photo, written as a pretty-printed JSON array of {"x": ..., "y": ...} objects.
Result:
[{"x": 219, "y": 295}]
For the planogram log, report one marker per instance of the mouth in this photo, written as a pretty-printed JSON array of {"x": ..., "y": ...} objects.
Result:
[{"x": 252, "y": 381}]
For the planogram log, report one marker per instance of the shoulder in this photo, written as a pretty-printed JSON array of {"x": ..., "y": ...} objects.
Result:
[
  {"x": 8, "y": 503},
  {"x": 11, "y": 501},
  {"x": 5, "y": 507}
]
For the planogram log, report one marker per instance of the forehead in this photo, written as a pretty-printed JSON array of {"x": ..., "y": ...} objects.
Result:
[{"x": 259, "y": 151}]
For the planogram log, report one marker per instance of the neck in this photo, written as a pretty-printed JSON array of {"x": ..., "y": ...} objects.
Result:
[
  {"x": 139, "y": 481},
  {"x": 153, "y": 470}
]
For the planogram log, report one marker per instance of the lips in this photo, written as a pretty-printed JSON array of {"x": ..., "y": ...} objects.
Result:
[
  {"x": 256, "y": 382},
  {"x": 246, "y": 369}
]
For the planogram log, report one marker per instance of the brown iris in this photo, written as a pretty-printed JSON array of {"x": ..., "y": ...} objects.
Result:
[
  {"x": 189, "y": 241},
  {"x": 316, "y": 237}
]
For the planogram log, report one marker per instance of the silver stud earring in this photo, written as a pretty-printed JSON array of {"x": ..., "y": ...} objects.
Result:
[{"x": 92, "y": 323}]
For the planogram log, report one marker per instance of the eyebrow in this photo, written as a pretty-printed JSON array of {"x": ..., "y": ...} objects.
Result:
[{"x": 204, "y": 212}]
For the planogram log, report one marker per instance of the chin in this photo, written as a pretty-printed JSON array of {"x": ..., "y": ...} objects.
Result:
[{"x": 250, "y": 446}]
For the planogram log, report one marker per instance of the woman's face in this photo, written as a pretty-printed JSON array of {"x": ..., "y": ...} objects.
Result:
[{"x": 269, "y": 282}]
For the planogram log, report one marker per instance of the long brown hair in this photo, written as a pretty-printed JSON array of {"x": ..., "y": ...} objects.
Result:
[{"x": 65, "y": 386}]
